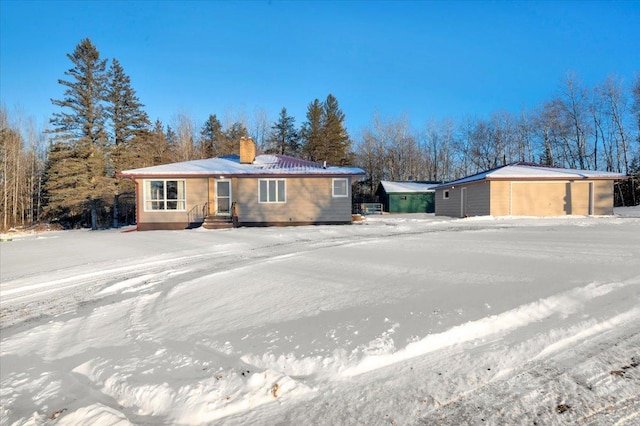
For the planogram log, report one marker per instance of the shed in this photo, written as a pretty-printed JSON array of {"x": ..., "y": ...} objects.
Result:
[
  {"x": 407, "y": 197},
  {"x": 525, "y": 189}
]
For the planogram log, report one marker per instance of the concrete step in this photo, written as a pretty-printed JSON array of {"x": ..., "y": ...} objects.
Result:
[{"x": 217, "y": 222}]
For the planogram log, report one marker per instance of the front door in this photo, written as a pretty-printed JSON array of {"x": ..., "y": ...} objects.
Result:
[{"x": 223, "y": 197}]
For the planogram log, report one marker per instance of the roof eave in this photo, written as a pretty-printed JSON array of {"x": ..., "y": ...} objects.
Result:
[
  {"x": 550, "y": 178},
  {"x": 233, "y": 175}
]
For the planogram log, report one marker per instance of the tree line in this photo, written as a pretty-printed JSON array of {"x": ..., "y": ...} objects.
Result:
[
  {"x": 66, "y": 173},
  {"x": 593, "y": 128}
]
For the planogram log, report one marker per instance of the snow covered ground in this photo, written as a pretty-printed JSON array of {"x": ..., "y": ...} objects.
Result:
[{"x": 398, "y": 320}]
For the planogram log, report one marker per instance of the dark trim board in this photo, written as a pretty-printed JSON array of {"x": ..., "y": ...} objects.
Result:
[
  {"x": 176, "y": 226},
  {"x": 264, "y": 224},
  {"x": 162, "y": 226}
]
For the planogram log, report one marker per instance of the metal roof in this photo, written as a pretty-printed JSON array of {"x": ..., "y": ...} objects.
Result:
[
  {"x": 529, "y": 171},
  {"x": 404, "y": 187},
  {"x": 271, "y": 164}
]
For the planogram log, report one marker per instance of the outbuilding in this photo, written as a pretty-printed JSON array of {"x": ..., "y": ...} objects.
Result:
[
  {"x": 407, "y": 197},
  {"x": 525, "y": 189}
]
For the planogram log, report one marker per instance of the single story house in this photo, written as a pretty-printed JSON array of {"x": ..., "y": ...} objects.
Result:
[
  {"x": 525, "y": 189},
  {"x": 243, "y": 190},
  {"x": 407, "y": 197}
]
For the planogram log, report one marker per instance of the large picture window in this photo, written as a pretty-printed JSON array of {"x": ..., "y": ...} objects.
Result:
[
  {"x": 340, "y": 187},
  {"x": 164, "y": 195},
  {"x": 272, "y": 191}
]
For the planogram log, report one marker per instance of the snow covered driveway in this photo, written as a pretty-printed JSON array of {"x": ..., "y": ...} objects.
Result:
[{"x": 399, "y": 320}]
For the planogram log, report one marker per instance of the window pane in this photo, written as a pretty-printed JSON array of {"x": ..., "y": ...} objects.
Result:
[
  {"x": 156, "y": 190},
  {"x": 223, "y": 205},
  {"x": 223, "y": 189},
  {"x": 281, "y": 191},
  {"x": 181, "y": 185},
  {"x": 262, "y": 197},
  {"x": 172, "y": 205},
  {"x": 172, "y": 190},
  {"x": 272, "y": 191},
  {"x": 339, "y": 187}
]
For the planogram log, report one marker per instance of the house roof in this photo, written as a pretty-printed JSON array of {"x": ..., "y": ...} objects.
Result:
[
  {"x": 404, "y": 187},
  {"x": 230, "y": 166},
  {"x": 528, "y": 171}
]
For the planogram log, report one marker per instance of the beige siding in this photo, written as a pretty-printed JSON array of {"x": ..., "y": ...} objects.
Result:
[
  {"x": 308, "y": 200},
  {"x": 555, "y": 198},
  {"x": 475, "y": 203},
  {"x": 551, "y": 198},
  {"x": 196, "y": 191},
  {"x": 603, "y": 197},
  {"x": 500, "y": 198},
  {"x": 539, "y": 199}
]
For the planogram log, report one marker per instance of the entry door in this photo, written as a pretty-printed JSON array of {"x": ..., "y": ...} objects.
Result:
[{"x": 223, "y": 197}]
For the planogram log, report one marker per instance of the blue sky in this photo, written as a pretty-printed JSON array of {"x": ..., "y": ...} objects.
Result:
[{"x": 421, "y": 59}]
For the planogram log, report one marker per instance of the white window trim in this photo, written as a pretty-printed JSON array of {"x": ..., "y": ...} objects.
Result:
[
  {"x": 276, "y": 201},
  {"x": 333, "y": 188},
  {"x": 445, "y": 194},
  {"x": 147, "y": 200}
]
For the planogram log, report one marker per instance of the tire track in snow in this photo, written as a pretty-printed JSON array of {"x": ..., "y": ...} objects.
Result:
[
  {"x": 521, "y": 375},
  {"x": 26, "y": 303},
  {"x": 496, "y": 324}
]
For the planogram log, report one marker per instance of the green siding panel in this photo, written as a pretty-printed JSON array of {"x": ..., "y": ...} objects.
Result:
[{"x": 411, "y": 203}]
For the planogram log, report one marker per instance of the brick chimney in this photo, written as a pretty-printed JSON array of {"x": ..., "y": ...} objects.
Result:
[{"x": 247, "y": 150}]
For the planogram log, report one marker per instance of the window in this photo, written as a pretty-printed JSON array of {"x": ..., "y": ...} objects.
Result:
[
  {"x": 340, "y": 187},
  {"x": 164, "y": 195},
  {"x": 445, "y": 195},
  {"x": 272, "y": 191}
]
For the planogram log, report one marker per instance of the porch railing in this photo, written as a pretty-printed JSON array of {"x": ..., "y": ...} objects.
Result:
[
  {"x": 198, "y": 213},
  {"x": 234, "y": 214},
  {"x": 368, "y": 208}
]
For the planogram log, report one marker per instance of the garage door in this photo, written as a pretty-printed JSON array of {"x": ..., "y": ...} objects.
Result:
[{"x": 551, "y": 198}]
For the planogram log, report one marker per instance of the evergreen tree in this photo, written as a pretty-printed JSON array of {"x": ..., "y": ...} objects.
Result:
[
  {"x": 312, "y": 132},
  {"x": 212, "y": 138},
  {"x": 324, "y": 135},
  {"x": 129, "y": 123},
  {"x": 233, "y": 134},
  {"x": 171, "y": 139},
  {"x": 124, "y": 108},
  {"x": 337, "y": 143},
  {"x": 283, "y": 139},
  {"x": 67, "y": 187},
  {"x": 152, "y": 147},
  {"x": 81, "y": 125}
]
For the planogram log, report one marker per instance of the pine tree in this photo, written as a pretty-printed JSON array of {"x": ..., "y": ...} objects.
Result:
[
  {"x": 67, "y": 186},
  {"x": 124, "y": 108},
  {"x": 337, "y": 143},
  {"x": 129, "y": 124},
  {"x": 81, "y": 125},
  {"x": 324, "y": 135},
  {"x": 152, "y": 148},
  {"x": 212, "y": 138},
  {"x": 232, "y": 137},
  {"x": 312, "y": 132},
  {"x": 283, "y": 139}
]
